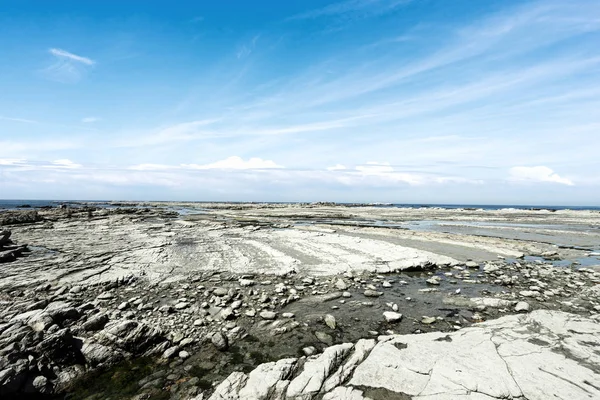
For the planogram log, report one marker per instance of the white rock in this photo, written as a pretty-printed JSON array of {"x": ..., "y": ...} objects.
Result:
[
  {"x": 522, "y": 306},
  {"x": 330, "y": 321},
  {"x": 391, "y": 316}
]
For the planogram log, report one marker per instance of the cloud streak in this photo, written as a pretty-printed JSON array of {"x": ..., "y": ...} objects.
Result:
[{"x": 63, "y": 54}]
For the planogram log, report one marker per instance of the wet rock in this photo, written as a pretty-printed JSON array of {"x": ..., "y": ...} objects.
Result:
[{"x": 428, "y": 320}]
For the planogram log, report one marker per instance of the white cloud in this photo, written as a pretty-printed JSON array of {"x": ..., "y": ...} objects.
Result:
[
  {"x": 236, "y": 162},
  {"x": 26, "y": 121},
  {"x": 70, "y": 56},
  {"x": 337, "y": 167},
  {"x": 537, "y": 174},
  {"x": 375, "y": 168},
  {"x": 361, "y": 8},
  {"x": 11, "y": 161},
  {"x": 88, "y": 120},
  {"x": 64, "y": 163},
  {"x": 152, "y": 167},
  {"x": 67, "y": 67}
]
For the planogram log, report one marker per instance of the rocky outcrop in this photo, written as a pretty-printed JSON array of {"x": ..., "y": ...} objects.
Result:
[
  {"x": 545, "y": 354},
  {"x": 19, "y": 217},
  {"x": 9, "y": 251}
]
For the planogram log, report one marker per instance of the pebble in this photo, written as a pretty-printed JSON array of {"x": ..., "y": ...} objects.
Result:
[
  {"x": 268, "y": 315},
  {"x": 330, "y": 321}
]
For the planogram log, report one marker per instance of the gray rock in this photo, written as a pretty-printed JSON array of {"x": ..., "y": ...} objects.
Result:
[
  {"x": 220, "y": 341},
  {"x": 324, "y": 337},
  {"x": 341, "y": 285},
  {"x": 372, "y": 293},
  {"x": 485, "y": 361},
  {"x": 40, "y": 322},
  {"x": 268, "y": 315},
  {"x": 220, "y": 292},
  {"x": 330, "y": 321},
  {"x": 170, "y": 352},
  {"x": 95, "y": 323}
]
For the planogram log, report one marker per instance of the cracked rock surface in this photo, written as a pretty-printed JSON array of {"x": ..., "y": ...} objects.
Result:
[{"x": 542, "y": 355}]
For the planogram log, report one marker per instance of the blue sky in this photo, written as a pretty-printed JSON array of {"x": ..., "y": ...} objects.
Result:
[{"x": 422, "y": 101}]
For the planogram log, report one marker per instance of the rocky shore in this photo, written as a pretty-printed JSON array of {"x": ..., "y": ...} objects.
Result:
[{"x": 161, "y": 301}]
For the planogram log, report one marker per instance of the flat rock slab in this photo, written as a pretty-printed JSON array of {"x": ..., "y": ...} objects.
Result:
[{"x": 542, "y": 355}]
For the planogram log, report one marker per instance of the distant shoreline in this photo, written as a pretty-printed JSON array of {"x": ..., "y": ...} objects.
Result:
[{"x": 33, "y": 204}]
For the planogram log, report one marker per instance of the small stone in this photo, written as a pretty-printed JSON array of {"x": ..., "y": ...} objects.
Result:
[
  {"x": 472, "y": 264},
  {"x": 428, "y": 320},
  {"x": 124, "y": 305},
  {"x": 386, "y": 284},
  {"x": 220, "y": 292},
  {"x": 166, "y": 309},
  {"x": 184, "y": 355},
  {"x": 288, "y": 315},
  {"x": 220, "y": 341},
  {"x": 372, "y": 293},
  {"x": 251, "y": 313},
  {"x": 391, "y": 316},
  {"x": 341, "y": 285},
  {"x": 181, "y": 306},
  {"x": 522, "y": 306},
  {"x": 346, "y": 295},
  {"x": 434, "y": 280},
  {"x": 170, "y": 352},
  {"x": 268, "y": 315},
  {"x": 324, "y": 338},
  {"x": 40, "y": 383},
  {"x": 330, "y": 321},
  {"x": 246, "y": 282},
  {"x": 309, "y": 351}
]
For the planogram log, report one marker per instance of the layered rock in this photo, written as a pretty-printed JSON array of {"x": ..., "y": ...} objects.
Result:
[{"x": 545, "y": 354}]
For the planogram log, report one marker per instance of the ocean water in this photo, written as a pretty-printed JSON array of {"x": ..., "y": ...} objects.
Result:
[{"x": 18, "y": 204}]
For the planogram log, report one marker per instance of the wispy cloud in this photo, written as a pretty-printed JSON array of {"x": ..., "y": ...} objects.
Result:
[
  {"x": 537, "y": 174},
  {"x": 89, "y": 120},
  {"x": 23, "y": 120},
  {"x": 70, "y": 56},
  {"x": 236, "y": 162},
  {"x": 359, "y": 8},
  {"x": 246, "y": 49},
  {"x": 67, "y": 67}
]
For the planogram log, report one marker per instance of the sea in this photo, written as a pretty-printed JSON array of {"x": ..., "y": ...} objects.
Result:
[{"x": 33, "y": 204}]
